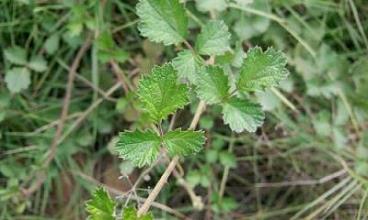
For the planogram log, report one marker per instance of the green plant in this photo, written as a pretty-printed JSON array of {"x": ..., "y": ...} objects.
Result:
[{"x": 228, "y": 84}]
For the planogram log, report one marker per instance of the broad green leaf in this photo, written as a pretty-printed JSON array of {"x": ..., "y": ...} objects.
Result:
[
  {"x": 183, "y": 143},
  {"x": 38, "y": 64},
  {"x": 17, "y": 79},
  {"x": 161, "y": 94},
  {"x": 213, "y": 85},
  {"x": 16, "y": 55},
  {"x": 140, "y": 147},
  {"x": 262, "y": 69},
  {"x": 214, "y": 39},
  {"x": 187, "y": 65},
  {"x": 162, "y": 21},
  {"x": 52, "y": 44},
  {"x": 211, "y": 5},
  {"x": 242, "y": 115},
  {"x": 130, "y": 213},
  {"x": 100, "y": 206}
]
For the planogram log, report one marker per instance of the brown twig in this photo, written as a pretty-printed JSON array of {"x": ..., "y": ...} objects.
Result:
[
  {"x": 122, "y": 78},
  {"x": 169, "y": 169},
  {"x": 66, "y": 102},
  {"x": 63, "y": 116}
]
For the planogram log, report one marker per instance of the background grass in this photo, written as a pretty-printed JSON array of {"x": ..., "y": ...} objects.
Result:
[{"x": 309, "y": 160}]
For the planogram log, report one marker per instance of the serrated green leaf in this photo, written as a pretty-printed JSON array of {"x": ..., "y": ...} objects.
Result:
[
  {"x": 160, "y": 93},
  {"x": 183, "y": 143},
  {"x": 100, "y": 206},
  {"x": 214, "y": 39},
  {"x": 130, "y": 213},
  {"x": 16, "y": 55},
  {"x": 17, "y": 79},
  {"x": 38, "y": 64},
  {"x": 242, "y": 115},
  {"x": 262, "y": 69},
  {"x": 162, "y": 21},
  {"x": 213, "y": 85},
  {"x": 211, "y": 5},
  {"x": 187, "y": 65},
  {"x": 140, "y": 147}
]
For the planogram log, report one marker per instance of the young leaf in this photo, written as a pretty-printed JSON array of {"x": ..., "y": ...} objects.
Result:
[
  {"x": 262, "y": 69},
  {"x": 16, "y": 55},
  {"x": 52, "y": 44},
  {"x": 183, "y": 143},
  {"x": 213, "y": 85},
  {"x": 211, "y": 5},
  {"x": 162, "y": 21},
  {"x": 130, "y": 213},
  {"x": 213, "y": 39},
  {"x": 38, "y": 64},
  {"x": 242, "y": 115},
  {"x": 187, "y": 65},
  {"x": 101, "y": 206},
  {"x": 17, "y": 79},
  {"x": 141, "y": 147},
  {"x": 160, "y": 93}
]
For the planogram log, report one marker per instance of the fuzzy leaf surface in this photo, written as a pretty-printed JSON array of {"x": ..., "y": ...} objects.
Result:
[
  {"x": 140, "y": 147},
  {"x": 160, "y": 93},
  {"x": 242, "y": 115},
  {"x": 187, "y": 65},
  {"x": 214, "y": 38},
  {"x": 100, "y": 206},
  {"x": 213, "y": 85},
  {"x": 162, "y": 21},
  {"x": 261, "y": 70},
  {"x": 183, "y": 143}
]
